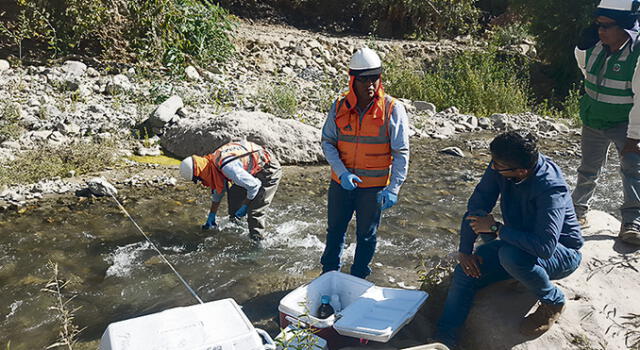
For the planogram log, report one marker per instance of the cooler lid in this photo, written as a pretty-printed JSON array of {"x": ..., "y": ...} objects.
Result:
[
  {"x": 218, "y": 325},
  {"x": 380, "y": 313}
]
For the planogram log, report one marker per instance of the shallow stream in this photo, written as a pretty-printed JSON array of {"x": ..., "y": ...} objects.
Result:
[{"x": 114, "y": 274}]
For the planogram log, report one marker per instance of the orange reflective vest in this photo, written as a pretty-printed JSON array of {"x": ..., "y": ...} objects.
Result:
[
  {"x": 209, "y": 168},
  {"x": 365, "y": 146}
]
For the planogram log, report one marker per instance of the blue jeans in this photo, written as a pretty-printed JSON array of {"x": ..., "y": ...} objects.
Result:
[
  {"x": 340, "y": 208},
  {"x": 502, "y": 261},
  {"x": 595, "y": 148}
]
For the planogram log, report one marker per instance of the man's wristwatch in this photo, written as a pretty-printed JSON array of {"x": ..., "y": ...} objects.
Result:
[{"x": 495, "y": 227}]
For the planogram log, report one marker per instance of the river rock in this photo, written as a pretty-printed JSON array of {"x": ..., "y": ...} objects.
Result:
[
  {"x": 602, "y": 291},
  {"x": 118, "y": 84},
  {"x": 6, "y": 155},
  {"x": 291, "y": 141},
  {"x": 153, "y": 151},
  {"x": 445, "y": 129},
  {"x": 454, "y": 151},
  {"x": 484, "y": 122},
  {"x": 4, "y": 65},
  {"x": 502, "y": 121},
  {"x": 92, "y": 72},
  {"x": 74, "y": 68},
  {"x": 10, "y": 145},
  {"x": 425, "y": 107},
  {"x": 192, "y": 73},
  {"x": 99, "y": 186},
  {"x": 68, "y": 128},
  {"x": 164, "y": 113}
]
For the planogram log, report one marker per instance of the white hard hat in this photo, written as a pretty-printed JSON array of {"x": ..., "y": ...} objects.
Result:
[
  {"x": 619, "y": 5},
  {"x": 365, "y": 62},
  {"x": 186, "y": 168}
]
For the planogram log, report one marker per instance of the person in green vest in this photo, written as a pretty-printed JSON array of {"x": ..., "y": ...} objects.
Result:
[{"x": 607, "y": 54}]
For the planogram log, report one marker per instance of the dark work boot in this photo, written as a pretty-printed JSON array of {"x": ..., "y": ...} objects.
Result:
[
  {"x": 630, "y": 233},
  {"x": 541, "y": 320}
]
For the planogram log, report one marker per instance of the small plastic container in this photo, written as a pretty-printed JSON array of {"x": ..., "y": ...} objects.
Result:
[{"x": 219, "y": 325}]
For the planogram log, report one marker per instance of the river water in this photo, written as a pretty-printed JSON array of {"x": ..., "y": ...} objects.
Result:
[{"x": 114, "y": 274}]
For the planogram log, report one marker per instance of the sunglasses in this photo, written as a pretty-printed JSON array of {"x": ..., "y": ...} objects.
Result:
[
  {"x": 605, "y": 25},
  {"x": 368, "y": 79},
  {"x": 492, "y": 164}
]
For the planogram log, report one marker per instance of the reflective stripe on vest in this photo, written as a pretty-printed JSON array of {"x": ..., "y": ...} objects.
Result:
[
  {"x": 608, "y": 79},
  {"x": 608, "y": 83},
  {"x": 253, "y": 157},
  {"x": 365, "y": 148}
]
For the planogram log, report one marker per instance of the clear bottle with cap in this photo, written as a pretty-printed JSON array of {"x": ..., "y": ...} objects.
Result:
[{"x": 325, "y": 310}]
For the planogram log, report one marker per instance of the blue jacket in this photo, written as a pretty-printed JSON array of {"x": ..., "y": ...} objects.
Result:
[{"x": 538, "y": 212}]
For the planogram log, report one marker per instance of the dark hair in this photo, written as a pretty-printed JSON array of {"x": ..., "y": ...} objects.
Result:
[{"x": 516, "y": 148}]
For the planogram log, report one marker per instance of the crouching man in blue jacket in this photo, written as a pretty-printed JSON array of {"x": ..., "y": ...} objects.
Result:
[{"x": 539, "y": 240}]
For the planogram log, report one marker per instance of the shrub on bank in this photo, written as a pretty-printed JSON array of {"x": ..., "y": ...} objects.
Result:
[
  {"x": 10, "y": 128},
  {"x": 481, "y": 83},
  {"x": 171, "y": 32},
  {"x": 49, "y": 161},
  {"x": 557, "y": 26},
  {"x": 281, "y": 100},
  {"x": 421, "y": 19},
  {"x": 388, "y": 18}
]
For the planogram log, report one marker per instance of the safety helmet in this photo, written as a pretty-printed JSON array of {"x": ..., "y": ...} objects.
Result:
[
  {"x": 365, "y": 62},
  {"x": 620, "y": 5},
  {"x": 186, "y": 168},
  {"x": 624, "y": 12}
]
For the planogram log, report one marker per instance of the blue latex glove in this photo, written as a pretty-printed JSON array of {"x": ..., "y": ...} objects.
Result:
[
  {"x": 211, "y": 222},
  {"x": 242, "y": 211},
  {"x": 348, "y": 181},
  {"x": 386, "y": 199}
]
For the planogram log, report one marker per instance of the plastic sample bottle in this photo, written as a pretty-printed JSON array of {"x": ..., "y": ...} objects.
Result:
[
  {"x": 325, "y": 309},
  {"x": 335, "y": 302}
]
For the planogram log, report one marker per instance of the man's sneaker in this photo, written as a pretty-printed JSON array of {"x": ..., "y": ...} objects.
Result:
[
  {"x": 630, "y": 233},
  {"x": 541, "y": 320}
]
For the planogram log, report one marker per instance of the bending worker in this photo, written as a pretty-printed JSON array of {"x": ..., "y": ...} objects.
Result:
[
  {"x": 255, "y": 175},
  {"x": 365, "y": 140}
]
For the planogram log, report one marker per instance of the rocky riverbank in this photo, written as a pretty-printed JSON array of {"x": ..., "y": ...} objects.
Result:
[{"x": 146, "y": 113}]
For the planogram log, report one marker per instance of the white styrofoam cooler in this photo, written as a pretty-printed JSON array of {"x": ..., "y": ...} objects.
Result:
[
  {"x": 368, "y": 311},
  {"x": 216, "y": 325}
]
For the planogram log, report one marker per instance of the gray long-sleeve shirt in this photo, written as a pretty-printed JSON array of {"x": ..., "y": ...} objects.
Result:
[
  {"x": 235, "y": 172},
  {"x": 399, "y": 138}
]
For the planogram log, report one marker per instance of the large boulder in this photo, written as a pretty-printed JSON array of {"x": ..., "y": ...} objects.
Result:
[
  {"x": 599, "y": 294},
  {"x": 291, "y": 141}
]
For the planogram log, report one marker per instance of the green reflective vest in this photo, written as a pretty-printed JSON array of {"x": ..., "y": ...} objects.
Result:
[{"x": 607, "y": 84}]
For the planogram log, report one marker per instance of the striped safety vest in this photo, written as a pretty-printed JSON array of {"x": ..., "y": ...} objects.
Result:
[
  {"x": 364, "y": 147},
  {"x": 253, "y": 157},
  {"x": 609, "y": 96}
]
